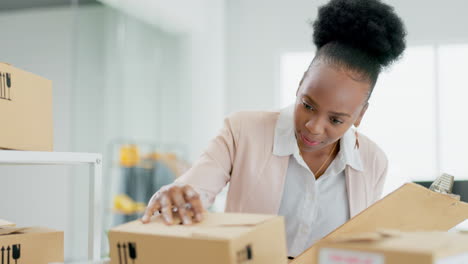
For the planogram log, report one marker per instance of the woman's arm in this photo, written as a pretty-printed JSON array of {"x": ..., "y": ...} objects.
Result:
[{"x": 207, "y": 177}]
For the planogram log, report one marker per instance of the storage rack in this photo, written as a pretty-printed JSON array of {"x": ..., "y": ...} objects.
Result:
[{"x": 11, "y": 157}]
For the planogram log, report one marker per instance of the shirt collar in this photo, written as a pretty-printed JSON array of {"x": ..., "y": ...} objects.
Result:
[{"x": 285, "y": 143}]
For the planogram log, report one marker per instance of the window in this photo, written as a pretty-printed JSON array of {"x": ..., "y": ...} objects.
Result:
[
  {"x": 402, "y": 119},
  {"x": 453, "y": 92}
]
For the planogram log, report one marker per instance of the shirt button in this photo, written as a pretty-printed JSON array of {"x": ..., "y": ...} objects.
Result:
[{"x": 304, "y": 230}]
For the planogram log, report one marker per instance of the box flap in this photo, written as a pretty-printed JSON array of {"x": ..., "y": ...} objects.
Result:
[
  {"x": 412, "y": 207},
  {"x": 462, "y": 227},
  {"x": 214, "y": 226},
  {"x": 367, "y": 237},
  {"x": 4, "y": 223},
  {"x": 431, "y": 243},
  {"x": 4, "y": 231},
  {"x": 11, "y": 230}
]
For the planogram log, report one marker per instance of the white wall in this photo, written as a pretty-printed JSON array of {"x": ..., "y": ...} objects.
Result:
[
  {"x": 201, "y": 26},
  {"x": 207, "y": 67},
  {"x": 172, "y": 16},
  {"x": 259, "y": 31}
]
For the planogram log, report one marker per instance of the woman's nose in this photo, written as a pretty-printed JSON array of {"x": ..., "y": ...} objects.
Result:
[{"x": 315, "y": 126}]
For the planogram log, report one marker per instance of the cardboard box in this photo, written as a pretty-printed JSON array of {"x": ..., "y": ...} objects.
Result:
[
  {"x": 221, "y": 238},
  {"x": 396, "y": 248},
  {"x": 25, "y": 110},
  {"x": 36, "y": 245},
  {"x": 410, "y": 208}
]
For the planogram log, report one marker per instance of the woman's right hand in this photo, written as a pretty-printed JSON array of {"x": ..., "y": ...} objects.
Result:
[{"x": 181, "y": 200}]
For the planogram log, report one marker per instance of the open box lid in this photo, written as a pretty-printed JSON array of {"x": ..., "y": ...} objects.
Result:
[
  {"x": 5, "y": 231},
  {"x": 12, "y": 230},
  {"x": 9, "y": 228},
  {"x": 410, "y": 208},
  {"x": 4, "y": 223},
  {"x": 431, "y": 243},
  {"x": 218, "y": 226}
]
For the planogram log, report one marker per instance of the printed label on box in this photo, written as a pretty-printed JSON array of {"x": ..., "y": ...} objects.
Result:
[
  {"x": 10, "y": 254},
  {"x": 339, "y": 256},
  {"x": 127, "y": 252},
  {"x": 5, "y": 86}
]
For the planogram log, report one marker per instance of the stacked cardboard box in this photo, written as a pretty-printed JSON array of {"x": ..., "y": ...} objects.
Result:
[
  {"x": 36, "y": 245},
  {"x": 220, "y": 238},
  {"x": 25, "y": 110}
]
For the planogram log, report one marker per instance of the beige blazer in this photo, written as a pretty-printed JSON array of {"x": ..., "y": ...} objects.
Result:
[{"x": 242, "y": 155}]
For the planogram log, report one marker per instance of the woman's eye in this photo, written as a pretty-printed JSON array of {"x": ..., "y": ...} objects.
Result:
[
  {"x": 309, "y": 107},
  {"x": 336, "y": 121}
]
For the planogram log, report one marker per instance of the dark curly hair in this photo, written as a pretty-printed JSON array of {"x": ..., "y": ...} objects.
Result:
[{"x": 362, "y": 35}]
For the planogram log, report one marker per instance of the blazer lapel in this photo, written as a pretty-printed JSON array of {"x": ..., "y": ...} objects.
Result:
[
  {"x": 266, "y": 192},
  {"x": 356, "y": 191},
  {"x": 277, "y": 187}
]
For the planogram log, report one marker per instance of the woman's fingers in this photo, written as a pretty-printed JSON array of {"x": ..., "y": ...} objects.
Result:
[
  {"x": 178, "y": 199},
  {"x": 152, "y": 207},
  {"x": 192, "y": 198},
  {"x": 183, "y": 201},
  {"x": 166, "y": 208}
]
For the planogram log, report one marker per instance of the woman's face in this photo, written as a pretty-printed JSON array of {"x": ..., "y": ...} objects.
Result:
[{"x": 329, "y": 101}]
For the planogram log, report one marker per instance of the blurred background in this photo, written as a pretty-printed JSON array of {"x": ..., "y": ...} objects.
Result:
[{"x": 148, "y": 83}]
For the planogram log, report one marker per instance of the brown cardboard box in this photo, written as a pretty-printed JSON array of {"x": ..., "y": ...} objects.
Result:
[
  {"x": 410, "y": 208},
  {"x": 25, "y": 110},
  {"x": 35, "y": 245},
  {"x": 396, "y": 248},
  {"x": 221, "y": 238}
]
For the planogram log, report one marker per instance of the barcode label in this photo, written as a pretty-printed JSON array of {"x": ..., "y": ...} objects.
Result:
[{"x": 340, "y": 256}]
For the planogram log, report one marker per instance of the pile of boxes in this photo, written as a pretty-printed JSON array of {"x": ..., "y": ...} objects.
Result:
[
  {"x": 408, "y": 226},
  {"x": 26, "y": 118}
]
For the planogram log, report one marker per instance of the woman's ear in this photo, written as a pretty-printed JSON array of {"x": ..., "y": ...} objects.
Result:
[{"x": 361, "y": 115}]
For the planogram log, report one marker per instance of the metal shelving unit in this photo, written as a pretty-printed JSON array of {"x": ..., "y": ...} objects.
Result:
[{"x": 11, "y": 157}]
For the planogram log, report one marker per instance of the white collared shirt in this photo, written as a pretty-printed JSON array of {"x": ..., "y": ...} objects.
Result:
[{"x": 312, "y": 208}]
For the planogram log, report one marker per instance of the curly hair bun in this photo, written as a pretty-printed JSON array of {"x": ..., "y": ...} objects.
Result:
[{"x": 368, "y": 25}]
